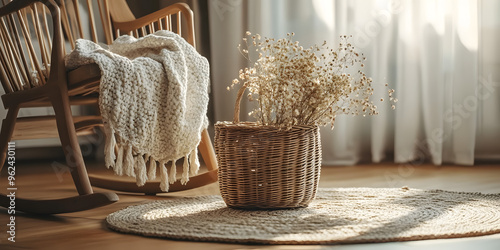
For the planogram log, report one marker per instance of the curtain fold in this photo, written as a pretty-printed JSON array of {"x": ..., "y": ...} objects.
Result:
[{"x": 436, "y": 54}]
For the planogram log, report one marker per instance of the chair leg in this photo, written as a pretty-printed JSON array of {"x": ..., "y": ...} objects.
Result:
[
  {"x": 207, "y": 151},
  {"x": 71, "y": 147},
  {"x": 8, "y": 126}
]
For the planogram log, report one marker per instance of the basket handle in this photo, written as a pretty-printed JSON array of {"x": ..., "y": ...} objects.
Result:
[{"x": 236, "y": 118}]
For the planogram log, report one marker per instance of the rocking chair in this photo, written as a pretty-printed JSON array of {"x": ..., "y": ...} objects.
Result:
[{"x": 33, "y": 74}]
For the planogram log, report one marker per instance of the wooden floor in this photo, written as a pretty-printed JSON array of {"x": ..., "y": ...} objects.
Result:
[{"x": 86, "y": 230}]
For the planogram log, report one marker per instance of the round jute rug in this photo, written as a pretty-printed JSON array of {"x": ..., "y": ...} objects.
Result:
[{"x": 342, "y": 215}]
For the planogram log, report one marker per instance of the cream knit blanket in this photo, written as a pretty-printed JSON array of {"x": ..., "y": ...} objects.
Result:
[{"x": 153, "y": 101}]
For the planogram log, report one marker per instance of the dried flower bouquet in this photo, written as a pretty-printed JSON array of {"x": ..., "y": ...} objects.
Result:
[{"x": 305, "y": 86}]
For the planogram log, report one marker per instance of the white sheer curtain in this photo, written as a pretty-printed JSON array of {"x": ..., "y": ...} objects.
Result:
[{"x": 439, "y": 55}]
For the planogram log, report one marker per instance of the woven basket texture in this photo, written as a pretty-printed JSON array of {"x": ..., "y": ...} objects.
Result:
[{"x": 264, "y": 167}]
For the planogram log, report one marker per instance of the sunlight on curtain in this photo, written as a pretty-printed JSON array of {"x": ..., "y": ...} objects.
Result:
[{"x": 439, "y": 55}]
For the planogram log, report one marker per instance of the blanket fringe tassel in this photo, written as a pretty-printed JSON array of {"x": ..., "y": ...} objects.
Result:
[
  {"x": 152, "y": 169},
  {"x": 163, "y": 177},
  {"x": 109, "y": 147},
  {"x": 144, "y": 167}
]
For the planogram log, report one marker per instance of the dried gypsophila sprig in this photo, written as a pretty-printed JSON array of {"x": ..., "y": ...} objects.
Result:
[{"x": 297, "y": 86}]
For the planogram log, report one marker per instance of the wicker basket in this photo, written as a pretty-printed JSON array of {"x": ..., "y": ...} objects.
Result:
[{"x": 263, "y": 167}]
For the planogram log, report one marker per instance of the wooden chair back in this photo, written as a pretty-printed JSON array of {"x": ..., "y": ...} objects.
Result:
[
  {"x": 27, "y": 38},
  {"x": 177, "y": 18},
  {"x": 80, "y": 20},
  {"x": 115, "y": 18}
]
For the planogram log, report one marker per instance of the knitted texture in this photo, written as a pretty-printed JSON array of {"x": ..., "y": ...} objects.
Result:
[{"x": 153, "y": 101}]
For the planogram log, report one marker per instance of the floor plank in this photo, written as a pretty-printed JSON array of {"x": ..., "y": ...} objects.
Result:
[{"x": 86, "y": 230}]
